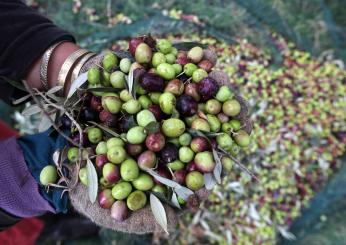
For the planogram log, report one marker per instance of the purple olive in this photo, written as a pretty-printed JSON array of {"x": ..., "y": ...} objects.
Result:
[
  {"x": 169, "y": 153},
  {"x": 152, "y": 82},
  {"x": 87, "y": 114},
  {"x": 163, "y": 172},
  {"x": 106, "y": 199},
  {"x": 134, "y": 149},
  {"x": 191, "y": 166},
  {"x": 111, "y": 173},
  {"x": 133, "y": 43},
  {"x": 156, "y": 110},
  {"x": 119, "y": 211},
  {"x": 199, "y": 144},
  {"x": 146, "y": 160},
  {"x": 207, "y": 88},
  {"x": 125, "y": 123},
  {"x": 65, "y": 121},
  {"x": 186, "y": 105},
  {"x": 108, "y": 118},
  {"x": 179, "y": 176},
  {"x": 205, "y": 65},
  {"x": 191, "y": 90},
  {"x": 96, "y": 103},
  {"x": 155, "y": 142},
  {"x": 101, "y": 160}
]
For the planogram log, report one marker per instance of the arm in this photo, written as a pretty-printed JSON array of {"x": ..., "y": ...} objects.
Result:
[{"x": 25, "y": 36}]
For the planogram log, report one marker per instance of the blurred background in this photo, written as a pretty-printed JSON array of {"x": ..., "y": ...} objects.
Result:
[{"x": 287, "y": 58}]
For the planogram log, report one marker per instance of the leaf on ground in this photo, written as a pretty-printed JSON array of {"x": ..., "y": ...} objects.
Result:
[
  {"x": 158, "y": 212},
  {"x": 92, "y": 181}
]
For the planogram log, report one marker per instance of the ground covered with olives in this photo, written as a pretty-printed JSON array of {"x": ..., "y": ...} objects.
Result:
[{"x": 151, "y": 117}]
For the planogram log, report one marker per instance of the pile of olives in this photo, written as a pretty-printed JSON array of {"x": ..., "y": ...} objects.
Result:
[{"x": 173, "y": 97}]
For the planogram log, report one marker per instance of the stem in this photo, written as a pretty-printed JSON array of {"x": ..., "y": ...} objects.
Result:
[{"x": 239, "y": 164}]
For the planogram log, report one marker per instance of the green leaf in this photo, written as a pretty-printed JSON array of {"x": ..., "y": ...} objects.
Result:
[
  {"x": 92, "y": 181},
  {"x": 218, "y": 167},
  {"x": 158, "y": 212},
  {"x": 152, "y": 127},
  {"x": 186, "y": 46},
  {"x": 130, "y": 82}
]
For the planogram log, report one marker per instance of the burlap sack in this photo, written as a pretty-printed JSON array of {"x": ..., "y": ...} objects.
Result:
[{"x": 143, "y": 221}]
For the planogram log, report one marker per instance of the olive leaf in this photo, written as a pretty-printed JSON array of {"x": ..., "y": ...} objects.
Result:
[
  {"x": 158, "y": 212},
  {"x": 54, "y": 90},
  {"x": 55, "y": 157},
  {"x": 175, "y": 201},
  {"x": 130, "y": 81},
  {"x": 152, "y": 127},
  {"x": 22, "y": 99},
  {"x": 124, "y": 54},
  {"x": 31, "y": 110},
  {"x": 92, "y": 181},
  {"x": 105, "y": 129},
  {"x": 102, "y": 89},
  {"x": 183, "y": 192},
  {"x": 209, "y": 181},
  {"x": 218, "y": 167},
  {"x": 80, "y": 80},
  {"x": 45, "y": 123},
  {"x": 186, "y": 46}
]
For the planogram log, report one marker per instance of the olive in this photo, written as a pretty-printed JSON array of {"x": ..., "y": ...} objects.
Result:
[
  {"x": 154, "y": 97},
  {"x": 175, "y": 87},
  {"x": 101, "y": 160},
  {"x": 144, "y": 117},
  {"x": 164, "y": 46},
  {"x": 231, "y": 107},
  {"x": 152, "y": 83},
  {"x": 129, "y": 170},
  {"x": 204, "y": 161},
  {"x": 169, "y": 153},
  {"x": 83, "y": 176},
  {"x": 224, "y": 93},
  {"x": 177, "y": 68},
  {"x": 109, "y": 61},
  {"x": 105, "y": 199},
  {"x": 192, "y": 90},
  {"x": 116, "y": 154},
  {"x": 170, "y": 58},
  {"x": 200, "y": 124},
  {"x": 121, "y": 190},
  {"x": 111, "y": 103},
  {"x": 146, "y": 160},
  {"x": 167, "y": 102},
  {"x": 96, "y": 103},
  {"x": 136, "y": 200},
  {"x": 198, "y": 75},
  {"x": 186, "y": 105},
  {"x": 159, "y": 189},
  {"x": 155, "y": 142},
  {"x": 125, "y": 95},
  {"x": 119, "y": 211},
  {"x": 242, "y": 138},
  {"x": 72, "y": 154},
  {"x": 227, "y": 163},
  {"x": 199, "y": 144},
  {"x": 106, "y": 78},
  {"x": 143, "y": 53},
  {"x": 166, "y": 71},
  {"x": 143, "y": 182},
  {"x": 185, "y": 139},
  {"x": 101, "y": 148},
  {"x": 48, "y": 175},
  {"x": 110, "y": 173},
  {"x": 145, "y": 101},
  {"x": 207, "y": 88},
  {"x": 205, "y": 65},
  {"x": 186, "y": 154},
  {"x": 158, "y": 58},
  {"x": 195, "y": 54},
  {"x": 235, "y": 124},
  {"x": 118, "y": 80},
  {"x": 173, "y": 127},
  {"x": 136, "y": 135},
  {"x": 94, "y": 135},
  {"x": 194, "y": 180},
  {"x": 132, "y": 106},
  {"x": 125, "y": 65},
  {"x": 94, "y": 76},
  {"x": 213, "y": 106},
  {"x": 114, "y": 141},
  {"x": 189, "y": 68},
  {"x": 224, "y": 141},
  {"x": 214, "y": 123},
  {"x": 176, "y": 165}
]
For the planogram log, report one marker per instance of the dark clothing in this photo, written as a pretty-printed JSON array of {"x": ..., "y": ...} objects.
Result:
[{"x": 25, "y": 35}]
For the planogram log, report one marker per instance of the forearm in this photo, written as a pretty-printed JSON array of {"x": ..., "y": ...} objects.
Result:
[{"x": 57, "y": 59}]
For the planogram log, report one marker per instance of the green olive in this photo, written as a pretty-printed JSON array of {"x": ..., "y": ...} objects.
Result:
[
  {"x": 94, "y": 76},
  {"x": 136, "y": 200},
  {"x": 159, "y": 189},
  {"x": 116, "y": 154},
  {"x": 177, "y": 68},
  {"x": 106, "y": 78},
  {"x": 164, "y": 46},
  {"x": 132, "y": 106},
  {"x": 143, "y": 53},
  {"x": 94, "y": 135},
  {"x": 125, "y": 95},
  {"x": 224, "y": 94},
  {"x": 242, "y": 138},
  {"x": 176, "y": 165},
  {"x": 166, "y": 71},
  {"x": 198, "y": 75},
  {"x": 173, "y": 127},
  {"x": 186, "y": 154},
  {"x": 144, "y": 182},
  {"x": 129, "y": 170},
  {"x": 121, "y": 190},
  {"x": 214, "y": 123},
  {"x": 167, "y": 102},
  {"x": 200, "y": 124},
  {"x": 158, "y": 58},
  {"x": 72, "y": 154},
  {"x": 145, "y": 101},
  {"x": 189, "y": 68},
  {"x": 101, "y": 148},
  {"x": 170, "y": 58},
  {"x": 155, "y": 97},
  {"x": 125, "y": 65},
  {"x": 48, "y": 175},
  {"x": 145, "y": 117},
  {"x": 194, "y": 180},
  {"x": 231, "y": 107},
  {"x": 195, "y": 54},
  {"x": 224, "y": 141},
  {"x": 111, "y": 142},
  {"x": 136, "y": 135},
  {"x": 83, "y": 176},
  {"x": 118, "y": 80},
  {"x": 109, "y": 61},
  {"x": 185, "y": 139}
]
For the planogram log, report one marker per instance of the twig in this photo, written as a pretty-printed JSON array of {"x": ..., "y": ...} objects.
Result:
[
  {"x": 46, "y": 113},
  {"x": 239, "y": 164}
]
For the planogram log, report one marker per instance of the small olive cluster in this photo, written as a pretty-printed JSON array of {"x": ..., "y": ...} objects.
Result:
[{"x": 164, "y": 124}]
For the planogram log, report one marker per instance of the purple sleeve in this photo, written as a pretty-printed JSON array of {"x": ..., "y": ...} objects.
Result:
[{"x": 19, "y": 192}]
